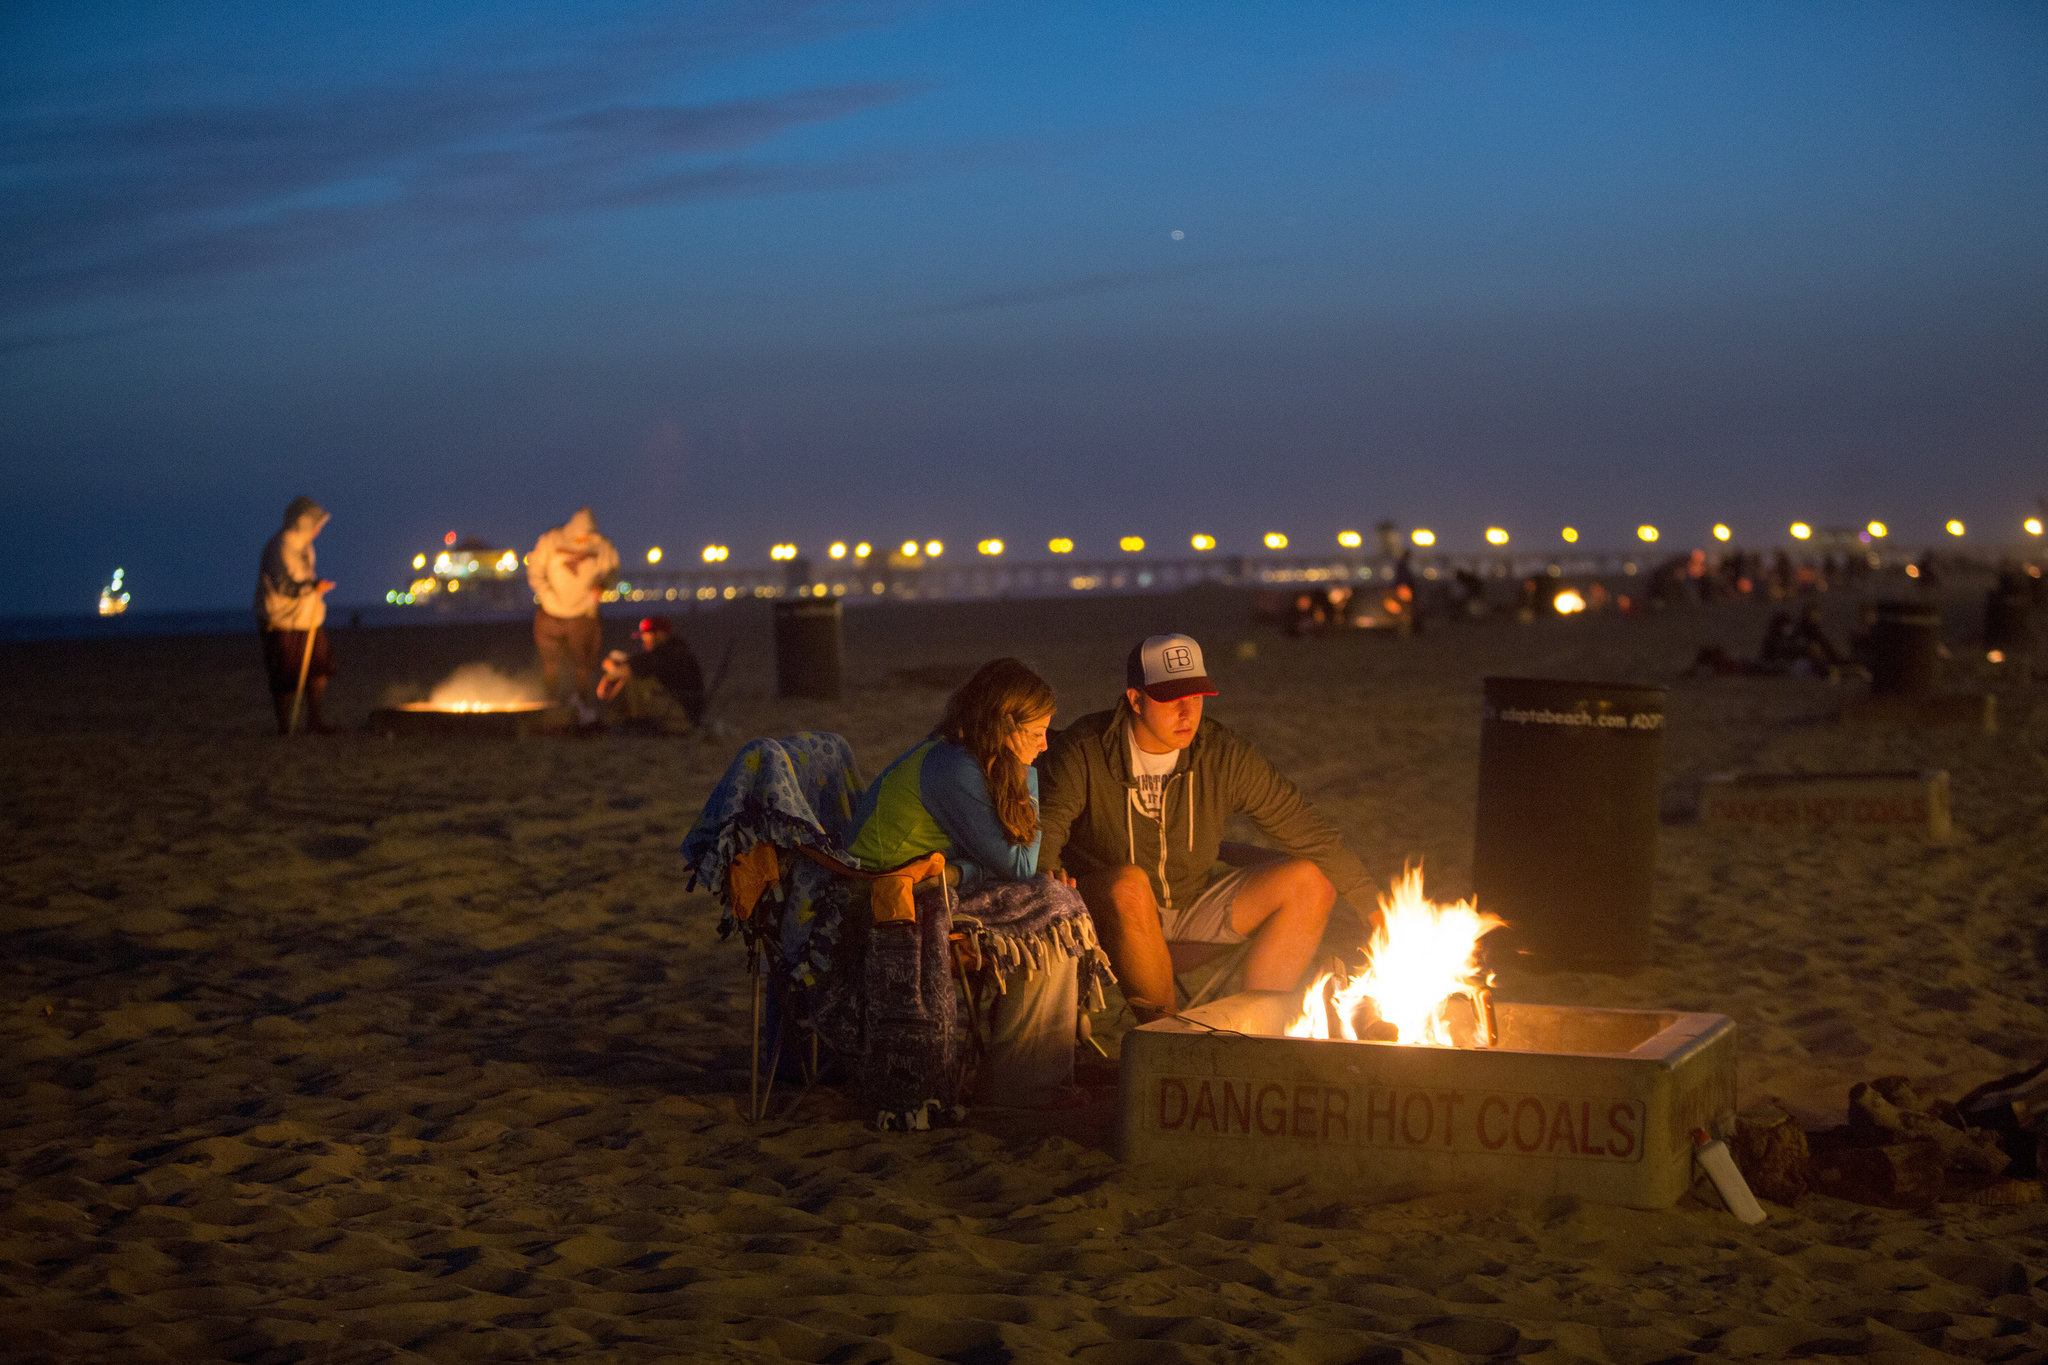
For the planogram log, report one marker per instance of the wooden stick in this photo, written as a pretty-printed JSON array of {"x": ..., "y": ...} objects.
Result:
[{"x": 305, "y": 667}]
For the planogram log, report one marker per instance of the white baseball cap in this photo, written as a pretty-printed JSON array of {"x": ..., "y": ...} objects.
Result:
[{"x": 1168, "y": 667}]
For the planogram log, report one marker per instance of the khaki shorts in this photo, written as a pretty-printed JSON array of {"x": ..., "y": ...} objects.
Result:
[{"x": 1208, "y": 919}]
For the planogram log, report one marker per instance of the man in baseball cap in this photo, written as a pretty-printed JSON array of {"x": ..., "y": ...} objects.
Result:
[
  {"x": 1132, "y": 808},
  {"x": 659, "y": 689}
]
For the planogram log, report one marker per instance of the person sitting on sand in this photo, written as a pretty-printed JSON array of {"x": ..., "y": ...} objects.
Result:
[
  {"x": 662, "y": 687},
  {"x": 969, "y": 791},
  {"x": 569, "y": 569},
  {"x": 1135, "y": 800},
  {"x": 291, "y": 608}
]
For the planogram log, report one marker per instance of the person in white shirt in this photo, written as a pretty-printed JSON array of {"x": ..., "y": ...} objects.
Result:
[{"x": 570, "y": 567}]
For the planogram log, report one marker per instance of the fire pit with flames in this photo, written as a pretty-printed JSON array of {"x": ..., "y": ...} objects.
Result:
[
  {"x": 476, "y": 700},
  {"x": 1407, "y": 1075}
]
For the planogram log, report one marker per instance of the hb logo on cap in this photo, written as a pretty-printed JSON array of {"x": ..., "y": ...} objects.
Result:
[{"x": 1178, "y": 659}]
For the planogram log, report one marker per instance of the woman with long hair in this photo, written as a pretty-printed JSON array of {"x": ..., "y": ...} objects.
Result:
[{"x": 969, "y": 791}]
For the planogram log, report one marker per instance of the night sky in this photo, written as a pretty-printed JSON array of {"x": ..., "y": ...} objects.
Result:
[{"x": 753, "y": 272}]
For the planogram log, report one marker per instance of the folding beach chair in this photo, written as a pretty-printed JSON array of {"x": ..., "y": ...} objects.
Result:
[{"x": 770, "y": 846}]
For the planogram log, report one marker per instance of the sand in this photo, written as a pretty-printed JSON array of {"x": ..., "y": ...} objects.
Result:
[{"x": 350, "y": 1049}]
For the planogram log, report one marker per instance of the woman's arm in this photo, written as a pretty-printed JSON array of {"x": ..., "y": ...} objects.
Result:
[{"x": 955, "y": 792}]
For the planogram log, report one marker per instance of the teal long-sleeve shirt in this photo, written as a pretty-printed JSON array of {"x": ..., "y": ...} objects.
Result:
[{"x": 934, "y": 799}]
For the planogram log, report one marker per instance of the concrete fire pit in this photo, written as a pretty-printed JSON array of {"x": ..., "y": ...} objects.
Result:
[
  {"x": 1819, "y": 803},
  {"x": 506, "y": 721},
  {"x": 1599, "y": 1103}
]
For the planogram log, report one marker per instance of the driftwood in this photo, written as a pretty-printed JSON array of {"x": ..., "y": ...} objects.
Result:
[
  {"x": 1903, "y": 1150},
  {"x": 1906, "y": 1176},
  {"x": 1772, "y": 1154}
]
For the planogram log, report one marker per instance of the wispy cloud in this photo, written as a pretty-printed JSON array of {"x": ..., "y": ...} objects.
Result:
[{"x": 119, "y": 197}]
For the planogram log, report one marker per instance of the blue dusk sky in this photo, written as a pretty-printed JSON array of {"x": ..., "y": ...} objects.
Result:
[{"x": 746, "y": 272}]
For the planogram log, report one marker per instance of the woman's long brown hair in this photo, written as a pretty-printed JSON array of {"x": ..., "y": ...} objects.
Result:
[{"x": 1000, "y": 699}]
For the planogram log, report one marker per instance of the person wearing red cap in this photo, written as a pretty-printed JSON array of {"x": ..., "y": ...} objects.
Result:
[
  {"x": 660, "y": 688},
  {"x": 1133, "y": 806}
]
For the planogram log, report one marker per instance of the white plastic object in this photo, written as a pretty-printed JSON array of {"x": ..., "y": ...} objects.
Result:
[{"x": 1719, "y": 1164}]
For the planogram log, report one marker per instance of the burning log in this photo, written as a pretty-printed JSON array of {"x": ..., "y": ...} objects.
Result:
[{"x": 1422, "y": 959}]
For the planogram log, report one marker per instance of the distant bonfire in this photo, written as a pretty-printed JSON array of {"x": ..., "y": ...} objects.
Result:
[{"x": 114, "y": 597}]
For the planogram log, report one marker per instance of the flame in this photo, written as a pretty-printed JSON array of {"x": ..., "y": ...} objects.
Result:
[
  {"x": 479, "y": 687},
  {"x": 1421, "y": 956}
]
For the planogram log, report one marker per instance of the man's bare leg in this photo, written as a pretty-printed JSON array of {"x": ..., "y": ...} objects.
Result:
[
  {"x": 1282, "y": 908},
  {"x": 1126, "y": 916}
]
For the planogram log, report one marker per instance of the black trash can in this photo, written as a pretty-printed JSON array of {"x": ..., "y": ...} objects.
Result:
[
  {"x": 1905, "y": 645},
  {"x": 2009, "y": 618},
  {"x": 1566, "y": 838},
  {"x": 809, "y": 641}
]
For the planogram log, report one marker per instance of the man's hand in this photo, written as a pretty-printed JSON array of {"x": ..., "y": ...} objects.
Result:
[{"x": 616, "y": 672}]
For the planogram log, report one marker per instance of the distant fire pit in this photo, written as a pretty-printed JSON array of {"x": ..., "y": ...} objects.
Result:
[
  {"x": 494, "y": 720},
  {"x": 1407, "y": 1074},
  {"x": 477, "y": 701}
]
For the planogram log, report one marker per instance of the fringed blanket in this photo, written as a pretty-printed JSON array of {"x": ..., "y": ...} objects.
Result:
[
  {"x": 1027, "y": 925},
  {"x": 893, "y": 1007}
]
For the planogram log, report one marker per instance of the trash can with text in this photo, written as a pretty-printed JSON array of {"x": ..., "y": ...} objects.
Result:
[
  {"x": 808, "y": 646},
  {"x": 1566, "y": 839}
]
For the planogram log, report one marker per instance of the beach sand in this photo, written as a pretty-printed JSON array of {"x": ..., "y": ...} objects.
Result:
[{"x": 346, "y": 1049}]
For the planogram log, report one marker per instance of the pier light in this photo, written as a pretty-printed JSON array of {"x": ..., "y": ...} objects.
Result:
[
  {"x": 1422, "y": 535},
  {"x": 1495, "y": 535},
  {"x": 419, "y": 561},
  {"x": 1956, "y": 528},
  {"x": 448, "y": 539},
  {"x": 863, "y": 550},
  {"x": 990, "y": 547},
  {"x": 910, "y": 549},
  {"x": 934, "y": 548},
  {"x": 715, "y": 554},
  {"x": 1350, "y": 540},
  {"x": 1206, "y": 542},
  {"x": 1801, "y": 531},
  {"x": 1570, "y": 534},
  {"x": 507, "y": 562},
  {"x": 1721, "y": 532},
  {"x": 2032, "y": 526},
  {"x": 654, "y": 554},
  {"x": 443, "y": 564},
  {"x": 1275, "y": 540},
  {"x": 1060, "y": 545},
  {"x": 1878, "y": 530},
  {"x": 1646, "y": 534},
  {"x": 837, "y": 550},
  {"x": 1130, "y": 545},
  {"x": 1568, "y": 602},
  {"x": 783, "y": 551}
]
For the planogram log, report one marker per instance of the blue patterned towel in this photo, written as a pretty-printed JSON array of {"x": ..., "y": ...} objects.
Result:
[{"x": 791, "y": 792}]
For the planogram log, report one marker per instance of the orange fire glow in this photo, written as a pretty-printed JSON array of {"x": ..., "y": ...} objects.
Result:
[
  {"x": 1421, "y": 958},
  {"x": 480, "y": 687},
  {"x": 468, "y": 706}
]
